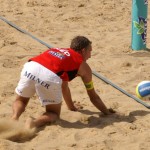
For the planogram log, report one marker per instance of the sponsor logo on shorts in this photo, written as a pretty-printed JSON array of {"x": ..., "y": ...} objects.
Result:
[
  {"x": 19, "y": 91},
  {"x": 48, "y": 100},
  {"x": 34, "y": 78}
]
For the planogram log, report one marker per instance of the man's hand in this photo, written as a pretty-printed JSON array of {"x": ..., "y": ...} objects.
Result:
[
  {"x": 111, "y": 111},
  {"x": 76, "y": 106},
  {"x": 73, "y": 108}
]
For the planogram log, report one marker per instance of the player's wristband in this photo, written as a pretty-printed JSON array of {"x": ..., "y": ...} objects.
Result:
[{"x": 89, "y": 85}]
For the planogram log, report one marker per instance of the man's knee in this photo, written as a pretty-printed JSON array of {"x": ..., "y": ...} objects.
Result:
[{"x": 23, "y": 100}]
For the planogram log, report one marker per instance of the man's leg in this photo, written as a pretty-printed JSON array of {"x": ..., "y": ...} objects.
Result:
[
  {"x": 19, "y": 106},
  {"x": 51, "y": 115}
]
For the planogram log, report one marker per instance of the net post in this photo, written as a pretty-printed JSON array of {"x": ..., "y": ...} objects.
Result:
[{"x": 139, "y": 24}]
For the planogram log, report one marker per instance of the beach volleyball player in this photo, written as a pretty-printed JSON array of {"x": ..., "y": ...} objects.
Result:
[{"x": 48, "y": 75}]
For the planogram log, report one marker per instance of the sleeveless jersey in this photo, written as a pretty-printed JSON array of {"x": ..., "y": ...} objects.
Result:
[{"x": 65, "y": 62}]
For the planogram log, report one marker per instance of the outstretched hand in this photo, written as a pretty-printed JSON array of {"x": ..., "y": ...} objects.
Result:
[
  {"x": 73, "y": 108},
  {"x": 111, "y": 111},
  {"x": 77, "y": 106}
]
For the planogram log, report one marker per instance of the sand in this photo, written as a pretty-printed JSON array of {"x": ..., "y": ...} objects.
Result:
[{"x": 108, "y": 25}]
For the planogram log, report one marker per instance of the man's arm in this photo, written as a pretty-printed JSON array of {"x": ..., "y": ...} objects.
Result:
[
  {"x": 67, "y": 96},
  {"x": 97, "y": 102},
  {"x": 86, "y": 75}
]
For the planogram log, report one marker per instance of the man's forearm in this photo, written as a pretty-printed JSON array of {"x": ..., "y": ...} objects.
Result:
[
  {"x": 98, "y": 103},
  {"x": 68, "y": 99}
]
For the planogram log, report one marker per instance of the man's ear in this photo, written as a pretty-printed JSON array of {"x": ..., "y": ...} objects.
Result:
[{"x": 83, "y": 50}]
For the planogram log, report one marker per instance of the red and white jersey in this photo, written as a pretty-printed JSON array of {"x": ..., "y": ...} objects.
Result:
[{"x": 65, "y": 62}]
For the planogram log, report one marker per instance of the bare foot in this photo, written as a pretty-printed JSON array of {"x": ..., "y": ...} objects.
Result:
[{"x": 29, "y": 124}]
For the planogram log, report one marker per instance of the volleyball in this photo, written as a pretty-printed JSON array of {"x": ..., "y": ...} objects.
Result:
[{"x": 143, "y": 90}]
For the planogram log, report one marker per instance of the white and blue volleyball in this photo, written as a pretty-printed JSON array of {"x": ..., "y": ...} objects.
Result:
[{"x": 143, "y": 90}]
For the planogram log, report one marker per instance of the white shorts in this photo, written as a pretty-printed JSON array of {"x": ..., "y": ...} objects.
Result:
[{"x": 37, "y": 79}]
